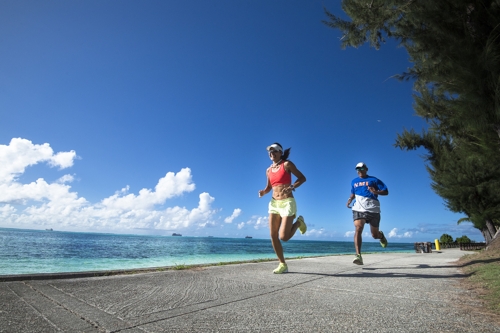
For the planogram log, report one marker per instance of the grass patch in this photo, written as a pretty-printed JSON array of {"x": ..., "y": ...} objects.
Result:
[
  {"x": 483, "y": 269},
  {"x": 180, "y": 267},
  {"x": 489, "y": 277}
]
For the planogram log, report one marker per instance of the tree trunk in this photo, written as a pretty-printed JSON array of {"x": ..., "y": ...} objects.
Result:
[
  {"x": 491, "y": 227},
  {"x": 497, "y": 234},
  {"x": 487, "y": 236},
  {"x": 497, "y": 129}
]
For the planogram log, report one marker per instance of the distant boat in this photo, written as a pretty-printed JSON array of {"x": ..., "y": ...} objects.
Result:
[
  {"x": 49, "y": 229},
  {"x": 248, "y": 236},
  {"x": 174, "y": 234}
]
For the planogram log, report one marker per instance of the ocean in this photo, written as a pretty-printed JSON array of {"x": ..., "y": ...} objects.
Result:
[{"x": 40, "y": 251}]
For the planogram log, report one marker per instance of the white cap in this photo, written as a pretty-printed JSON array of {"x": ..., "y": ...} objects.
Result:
[
  {"x": 361, "y": 165},
  {"x": 275, "y": 147}
]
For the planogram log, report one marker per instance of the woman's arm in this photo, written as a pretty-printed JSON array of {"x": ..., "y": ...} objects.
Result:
[
  {"x": 268, "y": 186},
  {"x": 301, "y": 179}
]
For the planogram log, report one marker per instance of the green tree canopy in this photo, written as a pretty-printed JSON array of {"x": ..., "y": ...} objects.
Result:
[
  {"x": 454, "y": 46},
  {"x": 445, "y": 238},
  {"x": 463, "y": 239}
]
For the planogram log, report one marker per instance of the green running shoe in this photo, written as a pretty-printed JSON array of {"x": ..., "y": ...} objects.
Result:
[
  {"x": 383, "y": 240},
  {"x": 358, "y": 260},
  {"x": 302, "y": 225},
  {"x": 282, "y": 268}
]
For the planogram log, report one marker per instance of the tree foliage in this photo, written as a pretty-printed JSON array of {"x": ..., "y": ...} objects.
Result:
[
  {"x": 454, "y": 46},
  {"x": 445, "y": 238},
  {"x": 463, "y": 239}
]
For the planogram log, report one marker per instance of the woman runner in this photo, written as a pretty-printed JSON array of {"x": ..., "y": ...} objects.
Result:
[{"x": 282, "y": 208}]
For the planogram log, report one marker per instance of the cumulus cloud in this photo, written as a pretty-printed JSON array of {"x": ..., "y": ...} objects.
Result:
[
  {"x": 65, "y": 179},
  {"x": 169, "y": 186},
  {"x": 258, "y": 222},
  {"x": 316, "y": 232},
  {"x": 395, "y": 234},
  {"x": 43, "y": 203},
  {"x": 235, "y": 214},
  {"x": 22, "y": 153},
  {"x": 349, "y": 234}
]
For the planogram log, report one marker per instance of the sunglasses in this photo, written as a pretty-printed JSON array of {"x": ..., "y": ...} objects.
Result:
[
  {"x": 361, "y": 169},
  {"x": 273, "y": 152}
]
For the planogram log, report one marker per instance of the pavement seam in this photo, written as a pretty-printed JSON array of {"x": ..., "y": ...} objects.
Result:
[
  {"x": 95, "y": 324},
  {"x": 34, "y": 309},
  {"x": 218, "y": 303}
]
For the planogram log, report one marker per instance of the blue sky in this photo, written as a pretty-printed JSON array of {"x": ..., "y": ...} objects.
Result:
[{"x": 152, "y": 117}]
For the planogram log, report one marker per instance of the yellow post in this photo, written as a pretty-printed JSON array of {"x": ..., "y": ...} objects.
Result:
[{"x": 438, "y": 247}]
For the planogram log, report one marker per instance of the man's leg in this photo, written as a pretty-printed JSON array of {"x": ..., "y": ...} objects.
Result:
[
  {"x": 375, "y": 232},
  {"x": 358, "y": 231}
]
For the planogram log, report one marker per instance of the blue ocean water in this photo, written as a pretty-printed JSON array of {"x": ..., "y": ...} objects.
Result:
[{"x": 39, "y": 251}]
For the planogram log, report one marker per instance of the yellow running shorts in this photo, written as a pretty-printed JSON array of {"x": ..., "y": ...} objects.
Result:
[{"x": 284, "y": 207}]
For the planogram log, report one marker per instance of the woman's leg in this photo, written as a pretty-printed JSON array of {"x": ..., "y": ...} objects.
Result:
[
  {"x": 288, "y": 228},
  {"x": 274, "y": 227}
]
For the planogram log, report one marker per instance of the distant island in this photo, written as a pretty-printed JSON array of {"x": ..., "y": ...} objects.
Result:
[
  {"x": 174, "y": 234},
  {"x": 49, "y": 229},
  {"x": 248, "y": 236}
]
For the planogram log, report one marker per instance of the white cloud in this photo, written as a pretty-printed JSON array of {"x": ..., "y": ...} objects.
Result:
[
  {"x": 364, "y": 234},
  {"x": 316, "y": 232},
  {"x": 63, "y": 160},
  {"x": 65, "y": 179},
  {"x": 38, "y": 190},
  {"x": 21, "y": 153},
  {"x": 169, "y": 186},
  {"x": 235, "y": 214},
  {"x": 394, "y": 234},
  {"x": 349, "y": 234},
  {"x": 6, "y": 210},
  {"x": 258, "y": 222},
  {"x": 54, "y": 204}
]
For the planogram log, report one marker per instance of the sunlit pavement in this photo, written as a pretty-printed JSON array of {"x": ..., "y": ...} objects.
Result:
[{"x": 391, "y": 292}]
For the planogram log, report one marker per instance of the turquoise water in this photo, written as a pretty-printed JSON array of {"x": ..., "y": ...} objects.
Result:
[{"x": 36, "y": 251}]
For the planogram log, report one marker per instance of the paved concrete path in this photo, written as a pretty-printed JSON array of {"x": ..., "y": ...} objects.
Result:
[{"x": 392, "y": 292}]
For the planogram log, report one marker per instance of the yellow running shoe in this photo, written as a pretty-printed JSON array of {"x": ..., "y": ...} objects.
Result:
[
  {"x": 282, "y": 268},
  {"x": 302, "y": 225},
  {"x": 358, "y": 260},
  {"x": 383, "y": 240}
]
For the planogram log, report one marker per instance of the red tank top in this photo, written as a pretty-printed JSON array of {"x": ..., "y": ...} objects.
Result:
[{"x": 280, "y": 176}]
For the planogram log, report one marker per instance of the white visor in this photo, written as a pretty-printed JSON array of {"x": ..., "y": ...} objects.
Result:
[{"x": 275, "y": 147}]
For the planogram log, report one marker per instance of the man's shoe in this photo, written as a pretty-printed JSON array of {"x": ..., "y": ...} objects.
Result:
[
  {"x": 282, "y": 268},
  {"x": 358, "y": 260},
  {"x": 302, "y": 225},
  {"x": 383, "y": 240}
]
